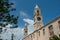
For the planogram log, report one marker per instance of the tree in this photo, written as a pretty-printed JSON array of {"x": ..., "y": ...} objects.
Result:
[
  {"x": 55, "y": 37},
  {"x": 5, "y": 16}
]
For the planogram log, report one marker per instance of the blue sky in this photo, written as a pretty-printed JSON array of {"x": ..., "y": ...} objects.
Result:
[{"x": 25, "y": 9}]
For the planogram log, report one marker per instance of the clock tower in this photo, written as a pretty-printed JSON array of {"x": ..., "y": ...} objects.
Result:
[{"x": 37, "y": 18}]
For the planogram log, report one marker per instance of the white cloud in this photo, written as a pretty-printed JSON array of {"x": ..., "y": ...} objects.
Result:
[
  {"x": 23, "y": 14},
  {"x": 30, "y": 26},
  {"x": 29, "y": 21},
  {"x": 18, "y": 33}
]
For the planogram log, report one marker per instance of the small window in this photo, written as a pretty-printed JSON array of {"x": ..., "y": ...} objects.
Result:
[
  {"x": 37, "y": 12},
  {"x": 34, "y": 19},
  {"x": 51, "y": 30},
  {"x": 33, "y": 35},
  {"x": 26, "y": 31},
  {"x": 43, "y": 31},
  {"x": 39, "y": 33},
  {"x": 59, "y": 24}
]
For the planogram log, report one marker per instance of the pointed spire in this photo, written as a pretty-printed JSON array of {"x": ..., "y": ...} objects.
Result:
[
  {"x": 25, "y": 24},
  {"x": 25, "y": 30},
  {"x": 36, "y": 6}
]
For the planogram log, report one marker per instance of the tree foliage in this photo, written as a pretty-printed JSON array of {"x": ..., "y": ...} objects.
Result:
[
  {"x": 5, "y": 16},
  {"x": 55, "y": 37}
]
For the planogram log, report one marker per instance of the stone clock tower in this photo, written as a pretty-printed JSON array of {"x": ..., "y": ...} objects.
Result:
[{"x": 37, "y": 18}]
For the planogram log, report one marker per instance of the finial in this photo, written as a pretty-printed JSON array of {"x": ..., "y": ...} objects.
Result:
[
  {"x": 25, "y": 24},
  {"x": 36, "y": 6}
]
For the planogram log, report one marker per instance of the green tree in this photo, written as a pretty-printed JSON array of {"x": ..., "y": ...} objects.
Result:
[
  {"x": 5, "y": 16},
  {"x": 55, "y": 37}
]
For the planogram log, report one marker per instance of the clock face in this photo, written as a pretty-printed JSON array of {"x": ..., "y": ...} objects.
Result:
[{"x": 38, "y": 18}]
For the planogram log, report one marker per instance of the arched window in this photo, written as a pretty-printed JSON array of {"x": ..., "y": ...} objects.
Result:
[
  {"x": 51, "y": 30},
  {"x": 37, "y": 12},
  {"x": 43, "y": 31},
  {"x": 59, "y": 24},
  {"x": 39, "y": 33},
  {"x": 25, "y": 31},
  {"x": 34, "y": 19},
  {"x": 33, "y": 35}
]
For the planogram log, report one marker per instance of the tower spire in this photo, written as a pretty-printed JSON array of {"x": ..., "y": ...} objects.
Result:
[
  {"x": 37, "y": 17},
  {"x": 36, "y": 4}
]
